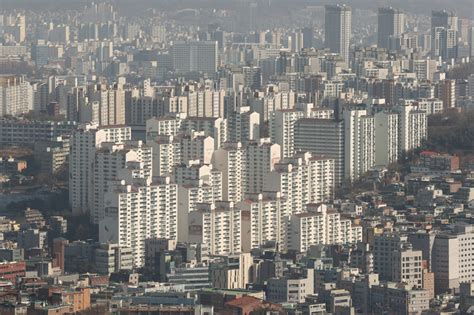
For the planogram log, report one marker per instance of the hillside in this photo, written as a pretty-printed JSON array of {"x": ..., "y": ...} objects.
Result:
[{"x": 451, "y": 132}]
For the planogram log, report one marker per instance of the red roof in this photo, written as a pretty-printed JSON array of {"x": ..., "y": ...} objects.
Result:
[{"x": 251, "y": 303}]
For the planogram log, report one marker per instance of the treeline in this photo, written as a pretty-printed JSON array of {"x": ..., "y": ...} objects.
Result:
[
  {"x": 461, "y": 72},
  {"x": 451, "y": 131}
]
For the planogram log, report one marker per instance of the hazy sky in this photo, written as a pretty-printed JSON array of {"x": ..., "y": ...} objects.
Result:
[{"x": 464, "y": 8}]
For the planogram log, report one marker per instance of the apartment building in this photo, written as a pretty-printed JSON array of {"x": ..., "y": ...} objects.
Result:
[
  {"x": 221, "y": 227},
  {"x": 359, "y": 143},
  {"x": 137, "y": 209},
  {"x": 322, "y": 137},
  {"x": 110, "y": 159},
  {"x": 261, "y": 158},
  {"x": 268, "y": 217},
  {"x": 84, "y": 143},
  {"x": 303, "y": 179},
  {"x": 386, "y": 138}
]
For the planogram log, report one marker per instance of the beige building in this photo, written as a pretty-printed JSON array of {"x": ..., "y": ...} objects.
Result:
[
  {"x": 231, "y": 272},
  {"x": 406, "y": 267},
  {"x": 452, "y": 258},
  {"x": 289, "y": 289}
]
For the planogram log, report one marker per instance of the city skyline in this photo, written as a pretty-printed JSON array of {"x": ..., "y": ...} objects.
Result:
[{"x": 236, "y": 157}]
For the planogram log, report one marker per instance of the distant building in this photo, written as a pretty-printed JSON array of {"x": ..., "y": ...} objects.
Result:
[
  {"x": 11, "y": 166},
  {"x": 16, "y": 96},
  {"x": 391, "y": 22},
  {"x": 195, "y": 56},
  {"x": 28, "y": 132},
  {"x": 52, "y": 155},
  {"x": 290, "y": 289},
  {"x": 338, "y": 29},
  {"x": 111, "y": 258},
  {"x": 389, "y": 297},
  {"x": 11, "y": 270}
]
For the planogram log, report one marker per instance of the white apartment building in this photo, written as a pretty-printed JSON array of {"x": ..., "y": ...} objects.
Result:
[
  {"x": 83, "y": 143},
  {"x": 16, "y": 96},
  {"x": 306, "y": 229},
  {"x": 429, "y": 105},
  {"x": 349, "y": 232},
  {"x": 302, "y": 179},
  {"x": 231, "y": 160},
  {"x": 261, "y": 158},
  {"x": 209, "y": 103},
  {"x": 207, "y": 189},
  {"x": 171, "y": 151},
  {"x": 174, "y": 104},
  {"x": 110, "y": 159},
  {"x": 320, "y": 225},
  {"x": 359, "y": 147},
  {"x": 166, "y": 154},
  {"x": 206, "y": 102},
  {"x": 452, "y": 257},
  {"x": 244, "y": 125},
  {"x": 413, "y": 127},
  {"x": 268, "y": 102},
  {"x": 164, "y": 126},
  {"x": 321, "y": 182},
  {"x": 111, "y": 104},
  {"x": 268, "y": 217},
  {"x": 222, "y": 228},
  {"x": 386, "y": 138},
  {"x": 282, "y": 129},
  {"x": 137, "y": 209}
]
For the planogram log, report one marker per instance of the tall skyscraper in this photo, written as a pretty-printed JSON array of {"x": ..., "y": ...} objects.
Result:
[
  {"x": 391, "y": 22},
  {"x": 471, "y": 40},
  {"x": 443, "y": 43},
  {"x": 413, "y": 125},
  {"x": 386, "y": 138},
  {"x": 359, "y": 143},
  {"x": 444, "y": 28},
  {"x": 444, "y": 19},
  {"x": 338, "y": 29},
  {"x": 308, "y": 35}
]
